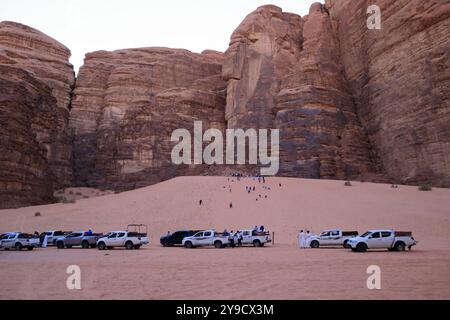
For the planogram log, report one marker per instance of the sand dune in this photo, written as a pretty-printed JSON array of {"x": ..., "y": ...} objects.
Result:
[{"x": 279, "y": 272}]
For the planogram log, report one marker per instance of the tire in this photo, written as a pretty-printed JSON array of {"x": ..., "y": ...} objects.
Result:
[
  {"x": 101, "y": 246},
  {"x": 257, "y": 244},
  {"x": 137, "y": 247},
  {"x": 85, "y": 244},
  {"x": 361, "y": 247},
  {"x": 165, "y": 244},
  {"x": 315, "y": 244},
  {"x": 30, "y": 248},
  {"x": 400, "y": 247},
  {"x": 188, "y": 245},
  {"x": 218, "y": 245},
  {"x": 18, "y": 246},
  {"x": 129, "y": 245},
  {"x": 60, "y": 245}
]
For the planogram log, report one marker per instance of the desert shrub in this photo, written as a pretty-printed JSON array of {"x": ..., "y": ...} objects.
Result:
[
  {"x": 37, "y": 214},
  {"x": 78, "y": 194},
  {"x": 425, "y": 187},
  {"x": 71, "y": 192},
  {"x": 348, "y": 184},
  {"x": 86, "y": 197}
]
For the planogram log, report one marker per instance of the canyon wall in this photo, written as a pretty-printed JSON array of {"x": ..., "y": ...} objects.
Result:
[
  {"x": 36, "y": 81},
  {"x": 400, "y": 80},
  {"x": 126, "y": 105}
]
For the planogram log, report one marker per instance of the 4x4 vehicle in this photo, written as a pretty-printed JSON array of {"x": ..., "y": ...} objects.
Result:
[
  {"x": 207, "y": 238},
  {"x": 255, "y": 238},
  {"x": 125, "y": 239},
  {"x": 176, "y": 238},
  {"x": 84, "y": 239},
  {"x": 18, "y": 241},
  {"x": 383, "y": 239},
  {"x": 334, "y": 237}
]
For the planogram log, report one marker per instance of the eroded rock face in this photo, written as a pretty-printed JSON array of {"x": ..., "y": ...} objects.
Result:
[
  {"x": 36, "y": 82},
  {"x": 400, "y": 80},
  {"x": 127, "y": 104},
  {"x": 284, "y": 72}
]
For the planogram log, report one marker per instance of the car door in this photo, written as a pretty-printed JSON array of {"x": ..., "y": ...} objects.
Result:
[
  {"x": 198, "y": 238},
  {"x": 335, "y": 237},
  {"x": 247, "y": 237},
  {"x": 387, "y": 239},
  {"x": 73, "y": 239},
  {"x": 325, "y": 238},
  {"x": 8, "y": 242},
  {"x": 207, "y": 238},
  {"x": 375, "y": 241},
  {"x": 111, "y": 240},
  {"x": 120, "y": 239}
]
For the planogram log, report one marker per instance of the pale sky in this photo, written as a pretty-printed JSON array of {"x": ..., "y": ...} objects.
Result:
[{"x": 91, "y": 25}]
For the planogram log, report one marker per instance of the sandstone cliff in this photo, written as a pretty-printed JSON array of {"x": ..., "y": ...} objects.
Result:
[
  {"x": 284, "y": 72},
  {"x": 36, "y": 81},
  {"x": 126, "y": 105},
  {"x": 400, "y": 80}
]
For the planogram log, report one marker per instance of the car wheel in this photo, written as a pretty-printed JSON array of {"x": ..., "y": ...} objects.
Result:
[
  {"x": 400, "y": 247},
  {"x": 137, "y": 247},
  {"x": 85, "y": 244},
  {"x": 361, "y": 247},
  {"x": 18, "y": 246},
  {"x": 315, "y": 244},
  {"x": 129, "y": 245},
  {"x": 257, "y": 243},
  {"x": 188, "y": 245},
  {"x": 218, "y": 244},
  {"x": 166, "y": 244},
  {"x": 101, "y": 246},
  {"x": 60, "y": 245}
]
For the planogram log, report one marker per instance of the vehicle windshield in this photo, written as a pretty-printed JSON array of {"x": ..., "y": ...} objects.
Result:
[{"x": 365, "y": 235}]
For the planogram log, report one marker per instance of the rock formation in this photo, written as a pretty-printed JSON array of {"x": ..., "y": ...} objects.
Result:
[
  {"x": 36, "y": 81},
  {"x": 400, "y": 80},
  {"x": 284, "y": 72},
  {"x": 126, "y": 105}
]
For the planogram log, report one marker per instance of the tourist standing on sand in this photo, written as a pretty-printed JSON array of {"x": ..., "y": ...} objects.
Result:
[
  {"x": 302, "y": 240},
  {"x": 45, "y": 241}
]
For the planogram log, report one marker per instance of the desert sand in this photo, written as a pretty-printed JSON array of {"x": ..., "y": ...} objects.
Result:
[{"x": 282, "y": 271}]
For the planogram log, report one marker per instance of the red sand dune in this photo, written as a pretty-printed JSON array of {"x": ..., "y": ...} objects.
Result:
[{"x": 279, "y": 272}]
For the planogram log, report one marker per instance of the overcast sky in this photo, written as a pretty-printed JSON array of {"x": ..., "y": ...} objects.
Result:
[{"x": 90, "y": 25}]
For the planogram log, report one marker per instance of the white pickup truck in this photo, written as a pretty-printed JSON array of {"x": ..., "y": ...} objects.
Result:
[
  {"x": 206, "y": 238},
  {"x": 18, "y": 241},
  {"x": 329, "y": 238},
  {"x": 383, "y": 239},
  {"x": 255, "y": 238},
  {"x": 123, "y": 239}
]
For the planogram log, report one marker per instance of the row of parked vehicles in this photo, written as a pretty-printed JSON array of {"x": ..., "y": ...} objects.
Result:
[
  {"x": 373, "y": 239},
  {"x": 204, "y": 238},
  {"x": 134, "y": 238}
]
